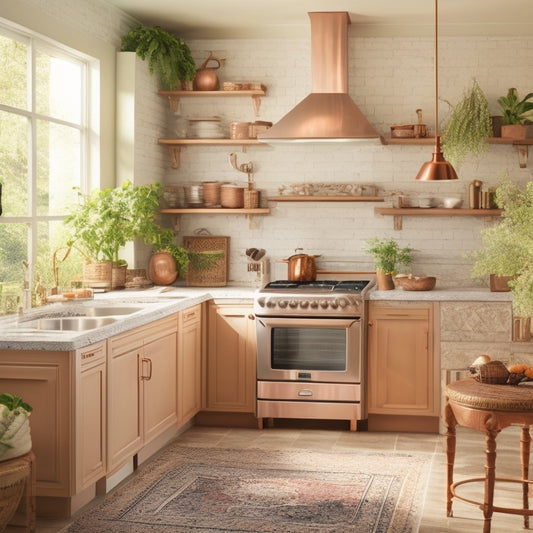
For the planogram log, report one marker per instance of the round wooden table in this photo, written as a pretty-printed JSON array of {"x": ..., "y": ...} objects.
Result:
[{"x": 489, "y": 408}]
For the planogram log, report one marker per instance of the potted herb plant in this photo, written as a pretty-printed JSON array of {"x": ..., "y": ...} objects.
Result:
[
  {"x": 508, "y": 246},
  {"x": 388, "y": 256},
  {"x": 168, "y": 56},
  {"x": 517, "y": 116},
  {"x": 468, "y": 127}
]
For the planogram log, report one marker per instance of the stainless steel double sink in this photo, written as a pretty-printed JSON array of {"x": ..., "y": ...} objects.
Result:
[{"x": 87, "y": 318}]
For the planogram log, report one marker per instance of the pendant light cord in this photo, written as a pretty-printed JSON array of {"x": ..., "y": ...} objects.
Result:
[{"x": 436, "y": 69}]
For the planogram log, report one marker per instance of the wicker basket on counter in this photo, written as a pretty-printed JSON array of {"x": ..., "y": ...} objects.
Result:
[{"x": 97, "y": 275}]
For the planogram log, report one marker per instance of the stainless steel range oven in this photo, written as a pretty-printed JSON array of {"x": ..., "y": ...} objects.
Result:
[{"x": 311, "y": 356}]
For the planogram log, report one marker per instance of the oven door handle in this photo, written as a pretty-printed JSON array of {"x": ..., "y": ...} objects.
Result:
[{"x": 305, "y": 392}]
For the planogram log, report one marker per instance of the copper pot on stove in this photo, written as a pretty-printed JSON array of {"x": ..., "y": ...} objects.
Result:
[{"x": 301, "y": 267}]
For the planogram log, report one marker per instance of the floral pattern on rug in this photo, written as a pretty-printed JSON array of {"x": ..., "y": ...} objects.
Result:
[{"x": 217, "y": 490}]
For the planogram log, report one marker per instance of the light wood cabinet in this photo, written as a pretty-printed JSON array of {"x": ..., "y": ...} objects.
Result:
[
  {"x": 90, "y": 414},
  {"x": 189, "y": 363},
  {"x": 141, "y": 399},
  {"x": 402, "y": 369},
  {"x": 68, "y": 396},
  {"x": 231, "y": 358}
]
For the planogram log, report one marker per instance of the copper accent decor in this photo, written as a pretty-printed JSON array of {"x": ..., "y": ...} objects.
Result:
[
  {"x": 328, "y": 112},
  {"x": 438, "y": 168}
]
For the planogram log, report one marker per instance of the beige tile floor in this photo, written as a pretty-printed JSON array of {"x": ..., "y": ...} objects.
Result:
[{"x": 469, "y": 463}]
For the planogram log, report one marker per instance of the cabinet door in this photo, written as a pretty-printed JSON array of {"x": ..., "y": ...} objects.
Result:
[
  {"x": 231, "y": 359},
  {"x": 189, "y": 364},
  {"x": 90, "y": 415},
  {"x": 401, "y": 372},
  {"x": 158, "y": 378},
  {"x": 43, "y": 380},
  {"x": 124, "y": 414}
]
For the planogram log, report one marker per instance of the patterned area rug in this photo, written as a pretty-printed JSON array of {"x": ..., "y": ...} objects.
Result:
[{"x": 218, "y": 490}]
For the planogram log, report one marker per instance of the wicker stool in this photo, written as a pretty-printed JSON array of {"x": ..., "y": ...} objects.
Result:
[
  {"x": 489, "y": 408},
  {"x": 17, "y": 483}
]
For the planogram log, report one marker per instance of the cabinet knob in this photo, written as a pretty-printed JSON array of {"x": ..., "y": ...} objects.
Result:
[
  {"x": 370, "y": 324},
  {"x": 251, "y": 317}
]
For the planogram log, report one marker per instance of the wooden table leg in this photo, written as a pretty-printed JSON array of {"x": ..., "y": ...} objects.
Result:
[
  {"x": 490, "y": 473},
  {"x": 525, "y": 446},
  {"x": 451, "y": 422}
]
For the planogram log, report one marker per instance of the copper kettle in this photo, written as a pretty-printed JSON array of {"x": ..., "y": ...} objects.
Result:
[{"x": 206, "y": 78}]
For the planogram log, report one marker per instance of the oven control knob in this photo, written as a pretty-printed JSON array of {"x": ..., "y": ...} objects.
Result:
[
  {"x": 261, "y": 301},
  {"x": 324, "y": 304},
  {"x": 334, "y": 303},
  {"x": 282, "y": 304},
  {"x": 270, "y": 303},
  {"x": 293, "y": 304},
  {"x": 304, "y": 304},
  {"x": 343, "y": 302},
  {"x": 314, "y": 304}
]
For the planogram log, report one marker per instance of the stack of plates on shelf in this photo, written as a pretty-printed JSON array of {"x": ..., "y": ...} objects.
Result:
[{"x": 205, "y": 128}]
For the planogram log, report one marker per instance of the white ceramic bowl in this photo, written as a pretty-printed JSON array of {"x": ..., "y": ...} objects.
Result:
[{"x": 451, "y": 203}]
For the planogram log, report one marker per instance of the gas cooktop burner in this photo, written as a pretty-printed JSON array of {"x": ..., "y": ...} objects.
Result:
[{"x": 349, "y": 285}]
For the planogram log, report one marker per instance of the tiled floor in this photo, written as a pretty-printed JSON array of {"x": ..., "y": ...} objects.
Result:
[{"x": 469, "y": 463}]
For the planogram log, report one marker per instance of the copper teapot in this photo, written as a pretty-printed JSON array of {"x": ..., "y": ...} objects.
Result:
[{"x": 206, "y": 78}]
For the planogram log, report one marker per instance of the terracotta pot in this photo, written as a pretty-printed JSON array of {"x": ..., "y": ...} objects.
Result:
[
  {"x": 162, "y": 268},
  {"x": 385, "y": 282}
]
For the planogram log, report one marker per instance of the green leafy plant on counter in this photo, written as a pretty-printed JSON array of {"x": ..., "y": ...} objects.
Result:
[
  {"x": 388, "y": 255},
  {"x": 105, "y": 220},
  {"x": 168, "y": 56},
  {"x": 508, "y": 246},
  {"x": 468, "y": 128},
  {"x": 516, "y": 111}
]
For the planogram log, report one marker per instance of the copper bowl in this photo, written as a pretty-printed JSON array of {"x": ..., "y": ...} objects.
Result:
[{"x": 415, "y": 283}]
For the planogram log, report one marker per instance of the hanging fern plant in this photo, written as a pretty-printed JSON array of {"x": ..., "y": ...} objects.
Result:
[
  {"x": 469, "y": 127},
  {"x": 167, "y": 55}
]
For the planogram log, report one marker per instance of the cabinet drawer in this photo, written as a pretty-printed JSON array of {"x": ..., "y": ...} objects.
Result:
[
  {"x": 94, "y": 354},
  {"x": 191, "y": 315},
  {"x": 282, "y": 390}
]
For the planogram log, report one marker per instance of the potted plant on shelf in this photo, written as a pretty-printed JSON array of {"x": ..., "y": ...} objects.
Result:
[
  {"x": 517, "y": 115},
  {"x": 168, "y": 56},
  {"x": 468, "y": 127},
  {"x": 388, "y": 256},
  {"x": 508, "y": 246}
]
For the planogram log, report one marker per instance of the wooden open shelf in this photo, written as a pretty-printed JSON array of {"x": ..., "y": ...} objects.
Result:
[
  {"x": 522, "y": 145},
  {"x": 302, "y": 198},
  {"x": 177, "y": 212},
  {"x": 174, "y": 145},
  {"x": 174, "y": 96},
  {"x": 399, "y": 212}
]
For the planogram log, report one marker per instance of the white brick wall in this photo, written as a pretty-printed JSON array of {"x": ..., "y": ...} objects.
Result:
[{"x": 389, "y": 80}]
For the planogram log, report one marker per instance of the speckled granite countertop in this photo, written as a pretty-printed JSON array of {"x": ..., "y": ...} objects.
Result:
[
  {"x": 159, "y": 302},
  {"x": 154, "y": 303},
  {"x": 442, "y": 295}
]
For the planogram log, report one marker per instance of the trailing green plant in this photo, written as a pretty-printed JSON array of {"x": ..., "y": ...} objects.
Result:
[
  {"x": 508, "y": 246},
  {"x": 162, "y": 240},
  {"x": 388, "y": 255},
  {"x": 468, "y": 127},
  {"x": 516, "y": 111},
  {"x": 167, "y": 55}
]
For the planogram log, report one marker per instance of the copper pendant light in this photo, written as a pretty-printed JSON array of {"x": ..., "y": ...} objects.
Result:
[{"x": 438, "y": 168}]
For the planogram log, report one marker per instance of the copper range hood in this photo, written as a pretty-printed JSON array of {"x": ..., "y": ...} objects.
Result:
[{"x": 327, "y": 113}]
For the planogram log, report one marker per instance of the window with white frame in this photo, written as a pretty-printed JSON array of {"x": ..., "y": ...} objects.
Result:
[{"x": 44, "y": 157}]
